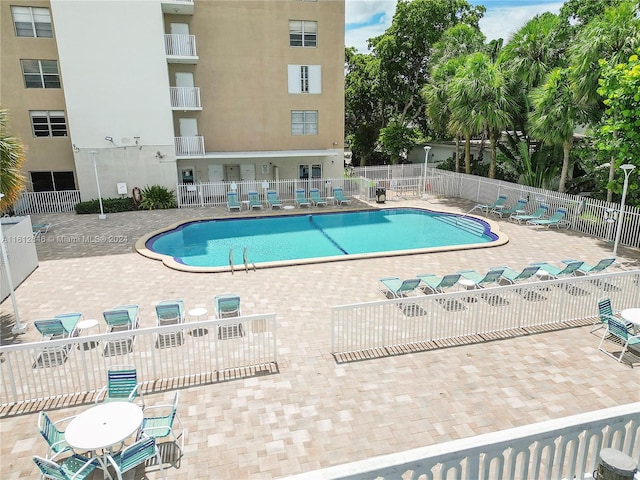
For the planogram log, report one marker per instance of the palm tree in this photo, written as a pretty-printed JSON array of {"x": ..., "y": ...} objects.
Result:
[
  {"x": 614, "y": 36},
  {"x": 554, "y": 116},
  {"x": 12, "y": 153},
  {"x": 480, "y": 100}
]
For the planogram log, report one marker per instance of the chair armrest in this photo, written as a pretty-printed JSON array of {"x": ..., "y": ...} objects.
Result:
[
  {"x": 137, "y": 391},
  {"x": 101, "y": 392}
]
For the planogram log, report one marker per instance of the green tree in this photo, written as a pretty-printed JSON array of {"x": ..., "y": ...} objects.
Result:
[
  {"x": 12, "y": 156},
  {"x": 404, "y": 55},
  {"x": 612, "y": 36},
  {"x": 480, "y": 100},
  {"x": 555, "y": 116},
  {"x": 363, "y": 105},
  {"x": 449, "y": 54},
  {"x": 619, "y": 134}
]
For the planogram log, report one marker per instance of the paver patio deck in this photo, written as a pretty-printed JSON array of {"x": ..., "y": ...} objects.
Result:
[{"x": 314, "y": 412}]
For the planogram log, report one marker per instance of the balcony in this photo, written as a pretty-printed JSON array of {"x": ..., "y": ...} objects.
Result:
[
  {"x": 189, "y": 146},
  {"x": 180, "y": 48},
  {"x": 185, "y": 98},
  {"x": 177, "y": 7}
]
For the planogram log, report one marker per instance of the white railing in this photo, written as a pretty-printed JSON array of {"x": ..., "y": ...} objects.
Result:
[
  {"x": 189, "y": 146},
  {"x": 180, "y": 45},
  {"x": 185, "y": 97},
  {"x": 555, "y": 449},
  {"x": 191, "y": 353},
  {"x": 430, "y": 321},
  {"x": 215, "y": 193},
  {"x": 47, "y": 202}
]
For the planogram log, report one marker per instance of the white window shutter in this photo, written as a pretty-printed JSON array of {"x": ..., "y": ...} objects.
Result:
[
  {"x": 294, "y": 78},
  {"x": 315, "y": 79}
]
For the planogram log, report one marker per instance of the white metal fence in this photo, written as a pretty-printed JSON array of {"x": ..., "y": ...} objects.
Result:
[
  {"x": 430, "y": 321},
  {"x": 185, "y": 97},
  {"x": 555, "y": 449},
  {"x": 215, "y": 193},
  {"x": 187, "y": 146},
  {"x": 195, "y": 352},
  {"x": 47, "y": 202}
]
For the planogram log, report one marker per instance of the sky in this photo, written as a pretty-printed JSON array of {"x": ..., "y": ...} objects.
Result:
[{"x": 369, "y": 18}]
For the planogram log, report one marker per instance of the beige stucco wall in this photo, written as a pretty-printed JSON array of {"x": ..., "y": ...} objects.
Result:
[
  {"x": 243, "y": 49},
  {"x": 43, "y": 153}
]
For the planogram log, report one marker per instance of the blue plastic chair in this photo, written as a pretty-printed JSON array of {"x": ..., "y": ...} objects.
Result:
[
  {"x": 134, "y": 455},
  {"x": 398, "y": 288},
  {"x": 75, "y": 467}
]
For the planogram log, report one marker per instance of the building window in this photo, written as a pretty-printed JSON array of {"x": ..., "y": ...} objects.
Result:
[
  {"x": 32, "y": 22},
  {"x": 52, "y": 181},
  {"x": 315, "y": 169},
  {"x": 303, "y": 33},
  {"x": 304, "y": 122},
  {"x": 40, "y": 73},
  {"x": 305, "y": 79},
  {"x": 48, "y": 123}
]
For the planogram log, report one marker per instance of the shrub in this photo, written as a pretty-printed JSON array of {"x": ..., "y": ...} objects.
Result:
[
  {"x": 157, "y": 197},
  {"x": 109, "y": 205}
]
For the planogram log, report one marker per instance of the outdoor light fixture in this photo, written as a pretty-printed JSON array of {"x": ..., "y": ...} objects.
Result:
[
  {"x": 427, "y": 148},
  {"x": 627, "y": 168},
  {"x": 109, "y": 139}
]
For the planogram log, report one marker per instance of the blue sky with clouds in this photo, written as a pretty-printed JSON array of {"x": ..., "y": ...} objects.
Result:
[{"x": 369, "y": 18}]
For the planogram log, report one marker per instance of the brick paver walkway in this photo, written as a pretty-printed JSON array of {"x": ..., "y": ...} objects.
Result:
[{"x": 315, "y": 412}]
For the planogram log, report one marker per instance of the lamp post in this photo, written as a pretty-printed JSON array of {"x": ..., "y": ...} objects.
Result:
[
  {"x": 427, "y": 148},
  {"x": 18, "y": 328},
  {"x": 626, "y": 168},
  {"x": 93, "y": 154}
]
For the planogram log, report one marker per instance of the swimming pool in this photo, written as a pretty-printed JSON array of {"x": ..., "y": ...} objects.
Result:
[{"x": 207, "y": 245}]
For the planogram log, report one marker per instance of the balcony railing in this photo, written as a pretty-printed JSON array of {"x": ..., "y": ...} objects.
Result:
[
  {"x": 189, "y": 146},
  {"x": 180, "y": 45},
  {"x": 187, "y": 98}
]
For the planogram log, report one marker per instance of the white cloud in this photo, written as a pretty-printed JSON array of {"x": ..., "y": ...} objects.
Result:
[
  {"x": 366, "y": 19},
  {"x": 369, "y": 18},
  {"x": 504, "y": 22}
]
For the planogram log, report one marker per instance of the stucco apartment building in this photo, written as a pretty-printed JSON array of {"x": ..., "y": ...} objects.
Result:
[{"x": 168, "y": 91}]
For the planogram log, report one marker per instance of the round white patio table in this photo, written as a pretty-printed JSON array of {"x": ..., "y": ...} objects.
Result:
[
  {"x": 197, "y": 313},
  {"x": 103, "y": 426},
  {"x": 632, "y": 315}
]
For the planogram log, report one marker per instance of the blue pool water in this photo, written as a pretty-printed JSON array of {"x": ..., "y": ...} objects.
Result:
[{"x": 315, "y": 235}]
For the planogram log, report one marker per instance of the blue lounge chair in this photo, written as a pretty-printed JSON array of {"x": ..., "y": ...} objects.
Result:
[
  {"x": 555, "y": 272},
  {"x": 227, "y": 305},
  {"x": 272, "y": 198},
  {"x": 480, "y": 281},
  {"x": 254, "y": 200},
  {"x": 618, "y": 332},
  {"x": 518, "y": 207},
  {"x": 170, "y": 312},
  {"x": 486, "y": 208},
  {"x": 601, "y": 266},
  {"x": 123, "y": 317},
  {"x": 232, "y": 201},
  {"x": 512, "y": 276},
  {"x": 338, "y": 195},
  {"x": 301, "y": 198},
  {"x": 52, "y": 433},
  {"x": 437, "y": 284},
  {"x": 316, "y": 199},
  {"x": 556, "y": 220},
  {"x": 61, "y": 326},
  {"x": 540, "y": 212},
  {"x": 396, "y": 288},
  {"x": 40, "y": 229}
]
